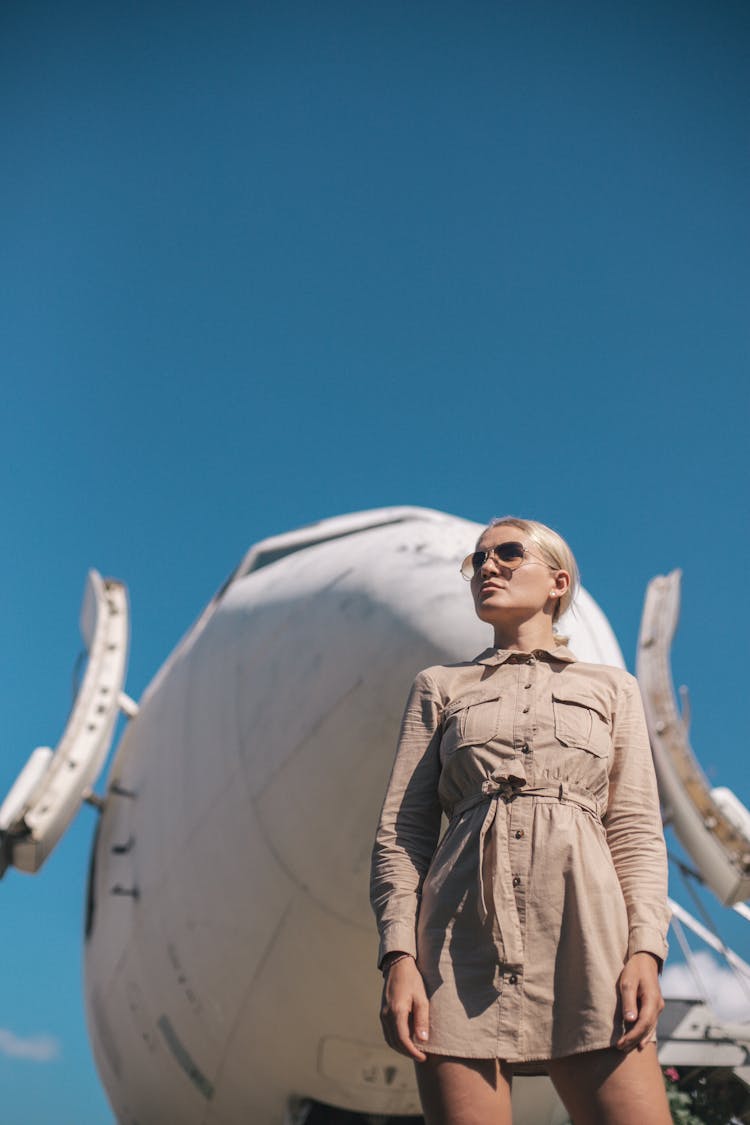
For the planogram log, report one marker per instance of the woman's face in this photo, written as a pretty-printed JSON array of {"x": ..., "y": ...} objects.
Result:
[{"x": 512, "y": 596}]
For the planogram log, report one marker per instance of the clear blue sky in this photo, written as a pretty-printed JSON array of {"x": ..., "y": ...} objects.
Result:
[{"x": 264, "y": 263}]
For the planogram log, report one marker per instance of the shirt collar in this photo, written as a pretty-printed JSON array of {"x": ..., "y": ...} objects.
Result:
[{"x": 500, "y": 655}]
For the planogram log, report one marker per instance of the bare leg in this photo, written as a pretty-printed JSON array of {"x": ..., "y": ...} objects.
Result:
[
  {"x": 610, "y": 1087},
  {"x": 464, "y": 1091}
]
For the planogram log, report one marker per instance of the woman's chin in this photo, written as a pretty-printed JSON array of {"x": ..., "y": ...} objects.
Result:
[{"x": 488, "y": 613}]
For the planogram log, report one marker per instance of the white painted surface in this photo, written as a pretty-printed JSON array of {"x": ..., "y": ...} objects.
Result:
[
  {"x": 21, "y": 794},
  {"x": 53, "y": 785},
  {"x": 713, "y": 832}
]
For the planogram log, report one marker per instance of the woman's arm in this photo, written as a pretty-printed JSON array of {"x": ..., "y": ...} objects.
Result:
[
  {"x": 409, "y": 823},
  {"x": 636, "y": 842},
  {"x": 634, "y": 829},
  {"x": 404, "y": 845}
]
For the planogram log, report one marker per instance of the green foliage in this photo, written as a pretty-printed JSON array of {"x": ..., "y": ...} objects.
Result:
[
  {"x": 680, "y": 1106},
  {"x": 703, "y": 1097}
]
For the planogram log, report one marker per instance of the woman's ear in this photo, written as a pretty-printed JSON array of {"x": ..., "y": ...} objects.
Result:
[{"x": 562, "y": 584}]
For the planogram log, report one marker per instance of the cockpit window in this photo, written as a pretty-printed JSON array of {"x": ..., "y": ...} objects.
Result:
[
  {"x": 271, "y": 550},
  {"x": 273, "y": 554}
]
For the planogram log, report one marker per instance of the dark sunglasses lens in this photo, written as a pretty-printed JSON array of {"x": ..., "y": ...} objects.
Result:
[
  {"x": 511, "y": 553},
  {"x": 477, "y": 561}
]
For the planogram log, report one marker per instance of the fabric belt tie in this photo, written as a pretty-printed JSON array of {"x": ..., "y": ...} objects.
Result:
[{"x": 504, "y": 901}]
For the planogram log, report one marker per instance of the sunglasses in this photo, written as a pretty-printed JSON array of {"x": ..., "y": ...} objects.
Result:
[{"x": 508, "y": 555}]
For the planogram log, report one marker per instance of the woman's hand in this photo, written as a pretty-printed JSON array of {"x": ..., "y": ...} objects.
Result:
[
  {"x": 405, "y": 1009},
  {"x": 642, "y": 1001}
]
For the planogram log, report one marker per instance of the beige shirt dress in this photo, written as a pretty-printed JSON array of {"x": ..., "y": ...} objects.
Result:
[{"x": 552, "y": 870}]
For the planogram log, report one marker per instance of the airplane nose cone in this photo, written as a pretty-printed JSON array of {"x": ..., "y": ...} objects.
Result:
[{"x": 320, "y": 751}]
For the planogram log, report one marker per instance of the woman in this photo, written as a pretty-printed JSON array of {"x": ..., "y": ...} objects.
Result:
[{"x": 532, "y": 935}]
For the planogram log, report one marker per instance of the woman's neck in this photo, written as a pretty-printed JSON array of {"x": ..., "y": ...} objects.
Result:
[{"x": 525, "y": 637}]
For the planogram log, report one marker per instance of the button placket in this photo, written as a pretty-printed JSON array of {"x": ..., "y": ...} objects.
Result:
[
  {"x": 518, "y": 843},
  {"x": 510, "y": 1009},
  {"x": 525, "y": 704}
]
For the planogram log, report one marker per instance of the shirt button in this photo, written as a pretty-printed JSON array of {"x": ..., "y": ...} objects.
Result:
[
  {"x": 527, "y": 685},
  {"x": 516, "y": 880},
  {"x": 525, "y": 749},
  {"x": 525, "y": 710},
  {"x": 512, "y": 979},
  {"x": 519, "y": 833}
]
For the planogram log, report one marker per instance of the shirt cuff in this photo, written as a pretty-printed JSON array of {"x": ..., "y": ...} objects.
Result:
[
  {"x": 398, "y": 938},
  {"x": 645, "y": 939}
]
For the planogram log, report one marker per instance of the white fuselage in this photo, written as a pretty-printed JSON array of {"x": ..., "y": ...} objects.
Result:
[{"x": 230, "y": 960}]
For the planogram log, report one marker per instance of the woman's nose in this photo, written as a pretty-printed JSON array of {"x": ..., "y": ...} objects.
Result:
[{"x": 492, "y": 565}]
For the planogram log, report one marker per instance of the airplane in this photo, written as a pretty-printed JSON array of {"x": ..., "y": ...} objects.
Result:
[{"x": 229, "y": 943}]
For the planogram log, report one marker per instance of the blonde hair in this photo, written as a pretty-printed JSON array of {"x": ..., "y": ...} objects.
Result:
[{"x": 555, "y": 551}]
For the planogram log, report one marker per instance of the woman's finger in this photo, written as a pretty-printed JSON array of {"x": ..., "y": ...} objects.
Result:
[
  {"x": 403, "y": 1037},
  {"x": 388, "y": 1022},
  {"x": 395, "y": 1024},
  {"x": 629, "y": 993},
  {"x": 643, "y": 1026},
  {"x": 421, "y": 1019},
  {"x": 633, "y": 1036}
]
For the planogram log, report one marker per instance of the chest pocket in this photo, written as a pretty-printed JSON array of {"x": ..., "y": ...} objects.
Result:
[
  {"x": 471, "y": 721},
  {"x": 579, "y": 721}
]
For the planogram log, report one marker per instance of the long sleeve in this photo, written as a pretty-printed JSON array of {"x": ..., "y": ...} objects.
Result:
[
  {"x": 634, "y": 829},
  {"x": 409, "y": 823}
]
